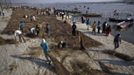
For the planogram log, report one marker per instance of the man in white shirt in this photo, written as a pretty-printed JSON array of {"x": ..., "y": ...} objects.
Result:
[
  {"x": 34, "y": 18},
  {"x": 18, "y": 33},
  {"x": 33, "y": 31}
]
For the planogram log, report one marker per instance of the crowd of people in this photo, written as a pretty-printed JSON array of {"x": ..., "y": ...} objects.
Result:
[
  {"x": 35, "y": 30},
  {"x": 97, "y": 27}
]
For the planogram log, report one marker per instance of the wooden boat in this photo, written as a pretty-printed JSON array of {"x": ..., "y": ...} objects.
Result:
[
  {"x": 123, "y": 25},
  {"x": 120, "y": 20},
  {"x": 92, "y": 15}
]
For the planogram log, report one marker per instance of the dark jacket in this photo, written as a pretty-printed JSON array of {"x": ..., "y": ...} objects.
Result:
[
  {"x": 74, "y": 27},
  {"x": 117, "y": 38}
]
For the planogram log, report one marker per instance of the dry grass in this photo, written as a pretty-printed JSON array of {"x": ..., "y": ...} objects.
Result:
[
  {"x": 64, "y": 58},
  {"x": 62, "y": 31},
  {"x": 59, "y": 30},
  {"x": 35, "y": 52},
  {"x": 59, "y": 67},
  {"x": 119, "y": 55},
  {"x": 81, "y": 68},
  {"x": 18, "y": 15},
  {"x": 6, "y": 41},
  {"x": 12, "y": 66}
]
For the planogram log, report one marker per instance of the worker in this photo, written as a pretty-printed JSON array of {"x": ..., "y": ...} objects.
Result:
[
  {"x": 94, "y": 28},
  {"x": 20, "y": 35},
  {"x": 74, "y": 27},
  {"x": 117, "y": 41},
  {"x": 45, "y": 48}
]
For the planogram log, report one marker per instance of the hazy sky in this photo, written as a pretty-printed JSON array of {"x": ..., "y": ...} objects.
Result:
[{"x": 55, "y": 1}]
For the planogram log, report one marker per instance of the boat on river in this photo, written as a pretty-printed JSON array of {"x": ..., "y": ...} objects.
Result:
[
  {"x": 120, "y": 20},
  {"x": 123, "y": 25}
]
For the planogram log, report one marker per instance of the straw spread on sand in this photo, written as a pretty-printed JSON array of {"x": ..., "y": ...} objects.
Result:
[{"x": 27, "y": 58}]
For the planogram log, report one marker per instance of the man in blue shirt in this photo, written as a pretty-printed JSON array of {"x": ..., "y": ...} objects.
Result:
[
  {"x": 45, "y": 48},
  {"x": 22, "y": 25},
  {"x": 87, "y": 23}
]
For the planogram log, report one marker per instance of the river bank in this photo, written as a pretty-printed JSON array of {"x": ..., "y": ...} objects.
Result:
[
  {"x": 28, "y": 58},
  {"x": 105, "y": 9}
]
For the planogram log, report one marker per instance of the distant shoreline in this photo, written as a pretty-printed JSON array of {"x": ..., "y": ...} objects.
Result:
[
  {"x": 51, "y": 4},
  {"x": 73, "y": 3}
]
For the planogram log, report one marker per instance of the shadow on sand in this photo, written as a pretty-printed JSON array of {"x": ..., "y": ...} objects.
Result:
[
  {"x": 119, "y": 55},
  {"x": 37, "y": 61},
  {"x": 117, "y": 62},
  {"x": 107, "y": 69},
  {"x": 115, "y": 73},
  {"x": 95, "y": 34}
]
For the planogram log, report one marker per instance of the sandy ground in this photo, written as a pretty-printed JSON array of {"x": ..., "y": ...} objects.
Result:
[
  {"x": 13, "y": 62},
  {"x": 118, "y": 66},
  {"x": 15, "y": 59}
]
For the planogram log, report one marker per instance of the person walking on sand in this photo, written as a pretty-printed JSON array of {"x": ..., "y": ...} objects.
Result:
[
  {"x": 31, "y": 18},
  {"x": 117, "y": 41},
  {"x": 22, "y": 25},
  {"x": 48, "y": 29},
  {"x": 45, "y": 48},
  {"x": 108, "y": 30},
  {"x": 2, "y": 13},
  {"x": 94, "y": 27},
  {"x": 82, "y": 20},
  {"x": 99, "y": 27},
  {"x": 62, "y": 15},
  {"x": 87, "y": 23},
  {"x": 18, "y": 33},
  {"x": 37, "y": 28},
  {"x": 74, "y": 27},
  {"x": 104, "y": 27}
]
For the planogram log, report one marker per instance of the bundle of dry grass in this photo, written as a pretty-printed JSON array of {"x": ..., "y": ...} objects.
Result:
[
  {"x": 81, "y": 68},
  {"x": 6, "y": 41},
  {"x": 17, "y": 16},
  {"x": 119, "y": 55},
  {"x": 60, "y": 31},
  {"x": 35, "y": 52}
]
